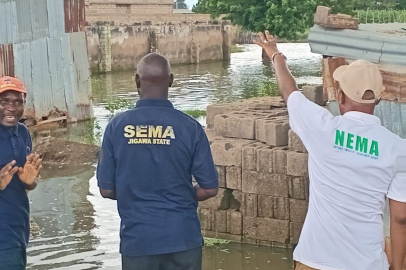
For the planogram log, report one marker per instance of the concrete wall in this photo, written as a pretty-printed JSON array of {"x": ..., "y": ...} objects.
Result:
[
  {"x": 263, "y": 173},
  {"x": 113, "y": 48}
]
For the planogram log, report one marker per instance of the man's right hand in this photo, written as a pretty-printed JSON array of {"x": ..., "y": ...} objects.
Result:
[{"x": 6, "y": 174}]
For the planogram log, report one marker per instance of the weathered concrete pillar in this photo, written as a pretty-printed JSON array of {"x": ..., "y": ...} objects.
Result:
[
  {"x": 195, "y": 52},
  {"x": 105, "y": 48},
  {"x": 226, "y": 42},
  {"x": 153, "y": 41}
]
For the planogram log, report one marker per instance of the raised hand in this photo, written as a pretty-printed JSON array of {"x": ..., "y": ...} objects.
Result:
[
  {"x": 31, "y": 169},
  {"x": 6, "y": 174},
  {"x": 267, "y": 42}
]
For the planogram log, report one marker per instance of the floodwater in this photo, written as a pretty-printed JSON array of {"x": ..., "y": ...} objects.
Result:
[{"x": 77, "y": 229}]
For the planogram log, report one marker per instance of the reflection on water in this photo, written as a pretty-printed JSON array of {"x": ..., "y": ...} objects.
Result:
[
  {"x": 78, "y": 229},
  {"x": 197, "y": 86}
]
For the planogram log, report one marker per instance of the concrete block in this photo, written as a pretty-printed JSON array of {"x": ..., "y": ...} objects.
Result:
[
  {"x": 315, "y": 94},
  {"x": 250, "y": 155},
  {"x": 250, "y": 181},
  {"x": 266, "y": 229},
  {"x": 249, "y": 158},
  {"x": 265, "y": 183},
  {"x": 295, "y": 144},
  {"x": 265, "y": 206},
  {"x": 228, "y": 152},
  {"x": 298, "y": 188},
  {"x": 225, "y": 236},
  {"x": 220, "y": 202},
  {"x": 297, "y": 164},
  {"x": 234, "y": 178},
  {"x": 273, "y": 132},
  {"x": 249, "y": 205},
  {"x": 281, "y": 208},
  {"x": 321, "y": 15},
  {"x": 213, "y": 110},
  {"x": 295, "y": 230},
  {"x": 279, "y": 160},
  {"x": 265, "y": 159},
  {"x": 235, "y": 125},
  {"x": 206, "y": 217},
  {"x": 211, "y": 134},
  {"x": 234, "y": 222},
  {"x": 236, "y": 200},
  {"x": 298, "y": 210},
  {"x": 221, "y": 171},
  {"x": 342, "y": 21},
  {"x": 220, "y": 221}
]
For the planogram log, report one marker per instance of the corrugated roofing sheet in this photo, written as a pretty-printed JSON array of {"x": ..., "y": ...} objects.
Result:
[
  {"x": 8, "y": 22},
  {"x": 6, "y": 60},
  {"x": 52, "y": 64},
  {"x": 378, "y": 43},
  {"x": 56, "y": 18},
  {"x": 75, "y": 20}
]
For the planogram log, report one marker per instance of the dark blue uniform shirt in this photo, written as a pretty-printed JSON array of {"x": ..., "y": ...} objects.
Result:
[
  {"x": 15, "y": 144},
  {"x": 148, "y": 157}
]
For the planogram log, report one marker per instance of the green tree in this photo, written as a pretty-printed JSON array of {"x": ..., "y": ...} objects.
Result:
[
  {"x": 284, "y": 18},
  {"x": 401, "y": 4},
  {"x": 180, "y": 4}
]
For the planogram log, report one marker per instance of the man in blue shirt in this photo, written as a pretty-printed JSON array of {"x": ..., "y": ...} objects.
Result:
[
  {"x": 18, "y": 172},
  {"x": 149, "y": 155}
]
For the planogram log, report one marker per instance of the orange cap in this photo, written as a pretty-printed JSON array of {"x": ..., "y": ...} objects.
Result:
[
  {"x": 359, "y": 77},
  {"x": 10, "y": 83}
]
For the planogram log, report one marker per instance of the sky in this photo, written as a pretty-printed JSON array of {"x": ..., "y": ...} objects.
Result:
[{"x": 190, "y": 3}]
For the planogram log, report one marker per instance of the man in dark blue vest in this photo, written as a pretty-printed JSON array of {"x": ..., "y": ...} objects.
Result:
[
  {"x": 18, "y": 172},
  {"x": 148, "y": 158}
]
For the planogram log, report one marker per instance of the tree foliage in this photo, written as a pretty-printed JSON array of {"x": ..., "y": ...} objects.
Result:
[
  {"x": 180, "y": 4},
  {"x": 284, "y": 18}
]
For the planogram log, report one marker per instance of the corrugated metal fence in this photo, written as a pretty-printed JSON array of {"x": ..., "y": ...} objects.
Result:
[{"x": 43, "y": 43}]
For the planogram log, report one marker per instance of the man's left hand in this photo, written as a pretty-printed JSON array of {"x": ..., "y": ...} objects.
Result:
[
  {"x": 268, "y": 43},
  {"x": 31, "y": 169}
]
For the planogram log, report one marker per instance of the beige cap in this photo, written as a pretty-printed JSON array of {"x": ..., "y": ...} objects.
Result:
[{"x": 359, "y": 77}]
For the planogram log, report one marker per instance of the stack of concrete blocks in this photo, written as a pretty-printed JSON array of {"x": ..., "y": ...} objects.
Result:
[{"x": 263, "y": 175}]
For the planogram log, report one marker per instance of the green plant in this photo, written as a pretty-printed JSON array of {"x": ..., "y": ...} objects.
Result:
[
  {"x": 92, "y": 132},
  {"x": 381, "y": 16},
  {"x": 268, "y": 89},
  {"x": 119, "y": 104},
  {"x": 208, "y": 242},
  {"x": 195, "y": 113},
  {"x": 284, "y": 19}
]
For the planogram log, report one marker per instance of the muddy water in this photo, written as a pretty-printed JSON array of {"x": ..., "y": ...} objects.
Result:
[{"x": 79, "y": 230}]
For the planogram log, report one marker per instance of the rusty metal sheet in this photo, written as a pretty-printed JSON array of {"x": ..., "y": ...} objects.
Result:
[
  {"x": 56, "y": 18},
  {"x": 8, "y": 22},
  {"x": 6, "y": 60},
  {"x": 75, "y": 20}
]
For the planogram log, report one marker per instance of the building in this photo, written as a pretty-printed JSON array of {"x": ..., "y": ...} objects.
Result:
[
  {"x": 43, "y": 43},
  {"x": 106, "y": 8}
]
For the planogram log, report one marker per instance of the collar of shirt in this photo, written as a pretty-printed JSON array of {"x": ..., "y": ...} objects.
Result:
[
  {"x": 5, "y": 132},
  {"x": 154, "y": 102},
  {"x": 363, "y": 117}
]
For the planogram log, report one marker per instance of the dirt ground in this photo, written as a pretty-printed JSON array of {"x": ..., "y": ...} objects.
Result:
[{"x": 61, "y": 152}]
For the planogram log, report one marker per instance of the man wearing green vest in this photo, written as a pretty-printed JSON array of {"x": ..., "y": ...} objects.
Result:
[{"x": 354, "y": 165}]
